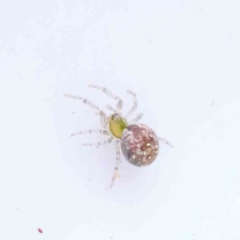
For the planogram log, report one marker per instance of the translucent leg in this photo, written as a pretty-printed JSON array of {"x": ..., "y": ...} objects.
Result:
[
  {"x": 166, "y": 142},
  {"x": 111, "y": 108},
  {"x": 137, "y": 118},
  {"x": 135, "y": 104},
  {"x": 85, "y": 101},
  {"x": 118, "y": 157},
  {"x": 104, "y": 120},
  {"x": 110, "y": 94},
  {"x": 99, "y": 143},
  {"x": 104, "y": 132}
]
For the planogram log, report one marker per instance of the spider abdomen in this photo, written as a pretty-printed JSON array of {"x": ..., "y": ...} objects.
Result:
[{"x": 139, "y": 144}]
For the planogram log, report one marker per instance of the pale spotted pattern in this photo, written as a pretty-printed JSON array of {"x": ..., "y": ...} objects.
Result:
[{"x": 139, "y": 144}]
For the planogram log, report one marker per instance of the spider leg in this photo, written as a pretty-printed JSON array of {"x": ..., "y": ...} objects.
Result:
[
  {"x": 111, "y": 108},
  {"x": 135, "y": 104},
  {"x": 118, "y": 157},
  {"x": 104, "y": 120},
  {"x": 104, "y": 132},
  {"x": 137, "y": 118},
  {"x": 110, "y": 94},
  {"x": 165, "y": 141},
  {"x": 99, "y": 143},
  {"x": 85, "y": 101},
  {"x": 82, "y": 100}
]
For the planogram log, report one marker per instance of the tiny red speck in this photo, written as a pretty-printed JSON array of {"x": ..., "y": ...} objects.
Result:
[{"x": 40, "y": 230}]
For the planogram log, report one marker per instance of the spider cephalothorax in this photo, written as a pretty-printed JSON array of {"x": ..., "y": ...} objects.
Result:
[
  {"x": 138, "y": 142},
  {"x": 117, "y": 124}
]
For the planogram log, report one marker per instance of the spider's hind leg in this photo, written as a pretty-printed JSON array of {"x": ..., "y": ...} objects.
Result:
[
  {"x": 165, "y": 141},
  {"x": 90, "y": 131},
  {"x": 118, "y": 157},
  {"x": 98, "y": 144}
]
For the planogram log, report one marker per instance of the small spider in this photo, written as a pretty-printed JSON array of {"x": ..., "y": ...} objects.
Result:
[{"x": 138, "y": 142}]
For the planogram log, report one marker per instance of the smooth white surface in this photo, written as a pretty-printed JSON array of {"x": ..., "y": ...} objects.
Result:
[{"x": 181, "y": 58}]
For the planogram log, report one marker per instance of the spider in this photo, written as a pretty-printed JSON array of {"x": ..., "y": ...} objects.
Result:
[{"x": 138, "y": 143}]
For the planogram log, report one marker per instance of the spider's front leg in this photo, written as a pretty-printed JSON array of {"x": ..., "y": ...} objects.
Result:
[
  {"x": 110, "y": 94},
  {"x": 103, "y": 120},
  {"x": 90, "y": 104},
  {"x": 118, "y": 157}
]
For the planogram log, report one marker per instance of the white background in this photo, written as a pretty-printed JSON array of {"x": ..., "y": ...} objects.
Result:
[{"x": 182, "y": 59}]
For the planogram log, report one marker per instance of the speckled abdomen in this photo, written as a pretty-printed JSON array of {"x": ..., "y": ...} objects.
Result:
[{"x": 139, "y": 144}]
